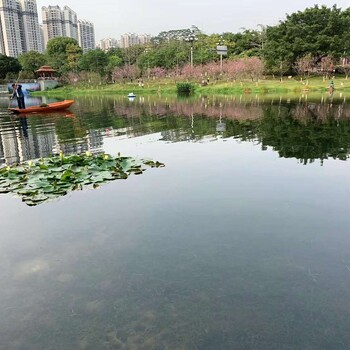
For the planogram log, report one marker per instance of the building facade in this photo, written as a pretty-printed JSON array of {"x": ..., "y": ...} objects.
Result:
[
  {"x": 57, "y": 23},
  {"x": 86, "y": 34},
  {"x": 131, "y": 39},
  {"x": 52, "y": 23},
  {"x": 11, "y": 28},
  {"x": 70, "y": 23},
  {"x": 107, "y": 44},
  {"x": 19, "y": 27},
  {"x": 32, "y": 40}
]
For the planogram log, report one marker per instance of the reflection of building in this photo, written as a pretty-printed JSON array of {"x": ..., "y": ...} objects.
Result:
[
  {"x": 19, "y": 145},
  {"x": 86, "y": 35},
  {"x": 2, "y": 156},
  {"x": 95, "y": 140},
  {"x": 19, "y": 27},
  {"x": 24, "y": 140}
]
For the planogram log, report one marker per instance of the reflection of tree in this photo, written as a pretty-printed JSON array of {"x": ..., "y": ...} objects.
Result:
[
  {"x": 306, "y": 131},
  {"x": 305, "y": 139},
  {"x": 69, "y": 130}
]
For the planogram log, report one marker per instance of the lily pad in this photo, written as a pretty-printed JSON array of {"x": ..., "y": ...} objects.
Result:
[{"x": 40, "y": 180}]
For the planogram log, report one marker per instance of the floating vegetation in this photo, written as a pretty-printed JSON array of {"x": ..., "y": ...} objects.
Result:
[{"x": 48, "y": 178}]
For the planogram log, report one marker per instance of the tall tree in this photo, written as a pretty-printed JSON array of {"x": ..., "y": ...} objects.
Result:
[
  {"x": 32, "y": 61},
  {"x": 74, "y": 53},
  {"x": 8, "y": 65},
  {"x": 318, "y": 31},
  {"x": 58, "y": 50},
  {"x": 94, "y": 61}
]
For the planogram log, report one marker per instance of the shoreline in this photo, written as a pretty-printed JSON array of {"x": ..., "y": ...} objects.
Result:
[{"x": 166, "y": 87}]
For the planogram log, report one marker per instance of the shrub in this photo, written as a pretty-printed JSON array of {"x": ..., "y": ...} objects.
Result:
[{"x": 185, "y": 89}]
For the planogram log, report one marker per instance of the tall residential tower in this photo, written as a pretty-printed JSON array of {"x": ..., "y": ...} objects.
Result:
[
  {"x": 32, "y": 40},
  {"x": 19, "y": 27},
  {"x": 11, "y": 28},
  {"x": 86, "y": 35},
  {"x": 57, "y": 22}
]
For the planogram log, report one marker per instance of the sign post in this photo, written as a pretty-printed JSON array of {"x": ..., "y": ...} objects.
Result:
[{"x": 221, "y": 50}]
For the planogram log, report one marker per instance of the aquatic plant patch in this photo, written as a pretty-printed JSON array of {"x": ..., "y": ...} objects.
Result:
[{"x": 47, "y": 178}]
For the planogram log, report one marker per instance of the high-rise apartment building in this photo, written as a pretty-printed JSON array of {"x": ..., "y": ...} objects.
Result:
[
  {"x": 11, "y": 28},
  {"x": 128, "y": 40},
  {"x": 131, "y": 39},
  {"x": 107, "y": 44},
  {"x": 57, "y": 22},
  {"x": 70, "y": 23},
  {"x": 52, "y": 23},
  {"x": 19, "y": 27},
  {"x": 86, "y": 33},
  {"x": 144, "y": 39},
  {"x": 31, "y": 35}
]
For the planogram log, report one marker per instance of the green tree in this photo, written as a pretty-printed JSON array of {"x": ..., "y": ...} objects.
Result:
[
  {"x": 74, "y": 53},
  {"x": 32, "y": 61},
  {"x": 94, "y": 61},
  {"x": 62, "y": 53},
  {"x": 131, "y": 54},
  {"x": 8, "y": 65},
  {"x": 167, "y": 55},
  {"x": 318, "y": 31}
]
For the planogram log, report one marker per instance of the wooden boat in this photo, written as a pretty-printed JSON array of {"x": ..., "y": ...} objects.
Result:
[{"x": 51, "y": 107}]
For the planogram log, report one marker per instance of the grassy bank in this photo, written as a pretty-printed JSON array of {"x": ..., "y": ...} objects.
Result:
[{"x": 167, "y": 86}]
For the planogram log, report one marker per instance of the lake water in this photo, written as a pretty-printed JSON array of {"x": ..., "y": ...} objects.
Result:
[{"x": 241, "y": 242}]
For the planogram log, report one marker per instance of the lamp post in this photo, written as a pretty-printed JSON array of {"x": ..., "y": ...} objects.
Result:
[
  {"x": 147, "y": 50},
  {"x": 191, "y": 39}
]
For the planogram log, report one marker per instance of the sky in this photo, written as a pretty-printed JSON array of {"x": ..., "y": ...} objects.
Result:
[{"x": 113, "y": 18}]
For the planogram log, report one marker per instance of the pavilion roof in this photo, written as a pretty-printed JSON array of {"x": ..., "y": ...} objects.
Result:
[{"x": 45, "y": 69}]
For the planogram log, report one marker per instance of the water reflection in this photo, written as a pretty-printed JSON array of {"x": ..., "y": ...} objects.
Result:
[
  {"x": 225, "y": 248},
  {"x": 304, "y": 128}
]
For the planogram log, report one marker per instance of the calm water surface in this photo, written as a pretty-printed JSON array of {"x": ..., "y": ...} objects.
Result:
[{"x": 241, "y": 242}]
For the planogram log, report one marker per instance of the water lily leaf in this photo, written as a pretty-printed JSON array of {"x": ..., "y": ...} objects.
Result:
[
  {"x": 39, "y": 198},
  {"x": 67, "y": 175},
  {"x": 48, "y": 178},
  {"x": 5, "y": 190},
  {"x": 55, "y": 169}
]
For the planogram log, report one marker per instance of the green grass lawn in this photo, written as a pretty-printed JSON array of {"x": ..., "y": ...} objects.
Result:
[{"x": 219, "y": 87}]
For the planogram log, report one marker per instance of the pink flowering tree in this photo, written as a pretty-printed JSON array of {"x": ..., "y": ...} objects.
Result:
[
  {"x": 304, "y": 65},
  {"x": 327, "y": 66},
  {"x": 158, "y": 73},
  {"x": 243, "y": 68},
  {"x": 254, "y": 66},
  {"x": 212, "y": 70},
  {"x": 186, "y": 71},
  {"x": 127, "y": 72}
]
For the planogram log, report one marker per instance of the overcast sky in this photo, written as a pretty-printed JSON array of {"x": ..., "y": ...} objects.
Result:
[{"x": 113, "y": 18}]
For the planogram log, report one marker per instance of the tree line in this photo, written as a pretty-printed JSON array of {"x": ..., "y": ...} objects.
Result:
[{"x": 313, "y": 41}]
